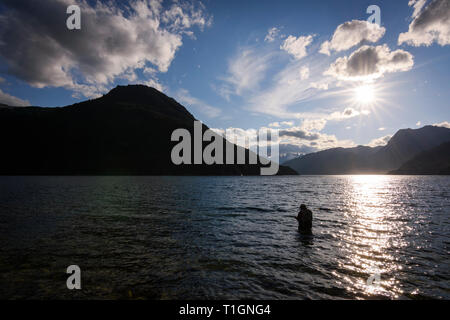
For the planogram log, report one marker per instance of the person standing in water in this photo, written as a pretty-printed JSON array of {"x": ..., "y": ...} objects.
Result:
[{"x": 304, "y": 219}]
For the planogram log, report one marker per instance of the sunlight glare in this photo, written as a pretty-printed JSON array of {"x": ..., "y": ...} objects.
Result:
[{"x": 364, "y": 94}]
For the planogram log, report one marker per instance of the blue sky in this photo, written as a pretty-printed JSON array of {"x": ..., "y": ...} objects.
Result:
[{"x": 220, "y": 61}]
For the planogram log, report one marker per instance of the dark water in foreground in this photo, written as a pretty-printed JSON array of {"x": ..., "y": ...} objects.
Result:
[{"x": 225, "y": 237}]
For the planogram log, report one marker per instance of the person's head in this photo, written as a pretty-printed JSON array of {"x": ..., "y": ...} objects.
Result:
[{"x": 302, "y": 207}]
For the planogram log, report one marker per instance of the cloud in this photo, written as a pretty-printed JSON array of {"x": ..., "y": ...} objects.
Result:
[
  {"x": 444, "y": 124},
  {"x": 316, "y": 140},
  {"x": 380, "y": 141},
  {"x": 113, "y": 41},
  {"x": 185, "y": 97},
  {"x": 381, "y": 129},
  {"x": 245, "y": 71},
  {"x": 417, "y": 5},
  {"x": 304, "y": 73},
  {"x": 347, "y": 113},
  {"x": 319, "y": 85},
  {"x": 369, "y": 62},
  {"x": 430, "y": 24},
  {"x": 272, "y": 34},
  {"x": 283, "y": 93},
  {"x": 313, "y": 124},
  {"x": 290, "y": 140},
  {"x": 288, "y": 89},
  {"x": 10, "y": 100},
  {"x": 308, "y": 133},
  {"x": 297, "y": 46},
  {"x": 299, "y": 133},
  {"x": 281, "y": 124},
  {"x": 418, "y": 123},
  {"x": 317, "y": 124},
  {"x": 352, "y": 33},
  {"x": 183, "y": 16},
  {"x": 155, "y": 84}
]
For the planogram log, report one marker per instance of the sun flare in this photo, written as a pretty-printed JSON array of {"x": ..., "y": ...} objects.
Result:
[{"x": 364, "y": 94}]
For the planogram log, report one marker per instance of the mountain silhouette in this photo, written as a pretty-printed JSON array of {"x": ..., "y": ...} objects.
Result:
[
  {"x": 435, "y": 161},
  {"x": 403, "y": 146},
  {"x": 125, "y": 132}
]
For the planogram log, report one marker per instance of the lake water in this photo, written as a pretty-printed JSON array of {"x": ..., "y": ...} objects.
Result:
[{"x": 225, "y": 237}]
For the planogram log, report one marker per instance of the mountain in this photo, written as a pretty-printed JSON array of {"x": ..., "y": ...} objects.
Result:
[
  {"x": 125, "y": 132},
  {"x": 434, "y": 161},
  {"x": 403, "y": 146}
]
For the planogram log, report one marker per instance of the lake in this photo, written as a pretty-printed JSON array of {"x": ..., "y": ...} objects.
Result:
[{"x": 225, "y": 237}]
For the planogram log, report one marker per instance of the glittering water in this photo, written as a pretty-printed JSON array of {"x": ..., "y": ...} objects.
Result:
[{"x": 225, "y": 237}]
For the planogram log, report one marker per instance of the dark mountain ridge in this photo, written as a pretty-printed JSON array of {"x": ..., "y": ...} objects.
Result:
[
  {"x": 125, "y": 132},
  {"x": 403, "y": 146},
  {"x": 435, "y": 161}
]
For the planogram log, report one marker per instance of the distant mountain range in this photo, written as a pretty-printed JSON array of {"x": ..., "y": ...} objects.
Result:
[
  {"x": 401, "y": 148},
  {"x": 125, "y": 132}
]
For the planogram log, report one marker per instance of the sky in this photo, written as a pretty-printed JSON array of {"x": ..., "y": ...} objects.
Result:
[{"x": 325, "y": 73}]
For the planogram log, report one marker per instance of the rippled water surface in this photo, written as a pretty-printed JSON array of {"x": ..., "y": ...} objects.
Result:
[{"x": 225, "y": 237}]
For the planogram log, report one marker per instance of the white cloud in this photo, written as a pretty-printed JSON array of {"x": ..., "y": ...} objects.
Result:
[
  {"x": 300, "y": 133},
  {"x": 10, "y": 100},
  {"x": 304, "y": 73},
  {"x": 113, "y": 41},
  {"x": 346, "y": 114},
  {"x": 272, "y": 34},
  {"x": 274, "y": 125},
  {"x": 417, "y": 5},
  {"x": 352, "y": 33},
  {"x": 313, "y": 124},
  {"x": 381, "y": 129},
  {"x": 288, "y": 90},
  {"x": 182, "y": 16},
  {"x": 317, "y": 140},
  {"x": 444, "y": 124},
  {"x": 287, "y": 123},
  {"x": 290, "y": 139},
  {"x": 155, "y": 84},
  {"x": 245, "y": 71},
  {"x": 185, "y": 97},
  {"x": 297, "y": 46},
  {"x": 319, "y": 85},
  {"x": 316, "y": 124},
  {"x": 418, "y": 123},
  {"x": 430, "y": 24},
  {"x": 368, "y": 63},
  {"x": 281, "y": 124},
  {"x": 380, "y": 141}
]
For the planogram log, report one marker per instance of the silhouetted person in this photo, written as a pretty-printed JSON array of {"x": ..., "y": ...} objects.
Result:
[{"x": 304, "y": 219}]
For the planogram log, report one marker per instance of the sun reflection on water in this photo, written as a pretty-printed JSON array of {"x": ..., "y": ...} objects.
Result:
[{"x": 368, "y": 239}]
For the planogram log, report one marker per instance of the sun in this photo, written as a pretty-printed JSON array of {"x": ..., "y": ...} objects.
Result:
[{"x": 364, "y": 94}]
